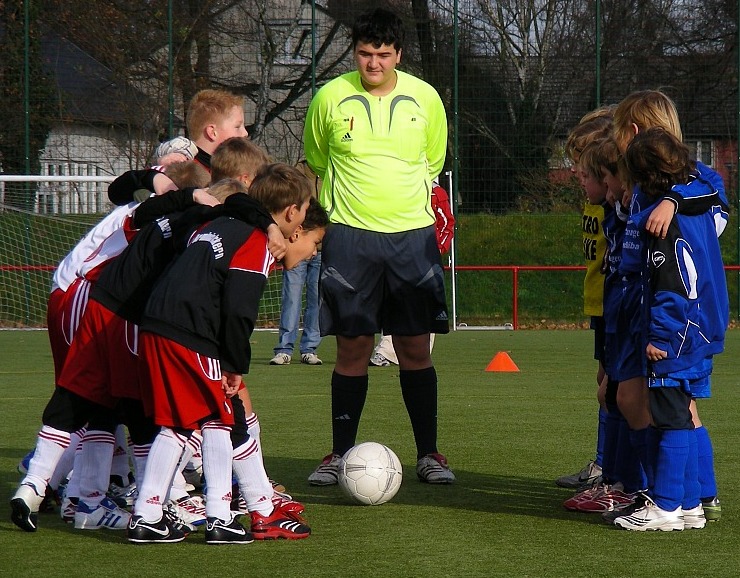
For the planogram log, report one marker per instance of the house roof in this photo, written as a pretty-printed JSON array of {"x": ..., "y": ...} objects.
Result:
[{"x": 88, "y": 90}]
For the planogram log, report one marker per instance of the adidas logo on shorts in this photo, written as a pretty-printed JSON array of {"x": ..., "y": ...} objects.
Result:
[{"x": 347, "y": 138}]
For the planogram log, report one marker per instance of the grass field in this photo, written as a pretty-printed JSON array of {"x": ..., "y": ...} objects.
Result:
[{"x": 506, "y": 435}]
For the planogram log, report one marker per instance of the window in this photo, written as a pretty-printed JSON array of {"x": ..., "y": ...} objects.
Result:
[
  {"x": 702, "y": 151},
  {"x": 296, "y": 43}
]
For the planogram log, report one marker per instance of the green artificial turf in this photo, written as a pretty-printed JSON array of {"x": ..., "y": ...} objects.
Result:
[{"x": 507, "y": 437}]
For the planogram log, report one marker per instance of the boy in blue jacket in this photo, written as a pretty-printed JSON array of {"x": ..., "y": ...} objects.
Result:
[{"x": 686, "y": 311}]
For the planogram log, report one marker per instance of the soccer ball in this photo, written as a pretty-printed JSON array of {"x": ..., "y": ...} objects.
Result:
[
  {"x": 370, "y": 473},
  {"x": 179, "y": 144}
]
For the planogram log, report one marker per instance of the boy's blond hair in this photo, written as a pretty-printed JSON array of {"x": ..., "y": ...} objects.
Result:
[
  {"x": 646, "y": 109},
  {"x": 208, "y": 107},
  {"x": 594, "y": 125},
  {"x": 235, "y": 157},
  {"x": 278, "y": 186},
  {"x": 224, "y": 188},
  {"x": 188, "y": 174},
  {"x": 600, "y": 154}
]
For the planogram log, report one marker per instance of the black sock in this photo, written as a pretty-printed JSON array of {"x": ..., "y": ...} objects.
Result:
[
  {"x": 347, "y": 400},
  {"x": 419, "y": 390}
]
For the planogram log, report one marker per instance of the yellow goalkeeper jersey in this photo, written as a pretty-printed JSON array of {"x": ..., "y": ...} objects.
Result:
[{"x": 377, "y": 155}]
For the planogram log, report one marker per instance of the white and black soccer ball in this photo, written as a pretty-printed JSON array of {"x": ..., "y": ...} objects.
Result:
[
  {"x": 179, "y": 144},
  {"x": 370, "y": 473}
]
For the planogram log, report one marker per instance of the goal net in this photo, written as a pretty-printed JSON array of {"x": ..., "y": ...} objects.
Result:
[{"x": 40, "y": 222}]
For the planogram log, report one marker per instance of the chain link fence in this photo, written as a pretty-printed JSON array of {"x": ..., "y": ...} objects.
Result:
[{"x": 86, "y": 99}]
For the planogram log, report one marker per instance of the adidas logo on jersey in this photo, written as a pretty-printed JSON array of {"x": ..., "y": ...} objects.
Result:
[{"x": 347, "y": 138}]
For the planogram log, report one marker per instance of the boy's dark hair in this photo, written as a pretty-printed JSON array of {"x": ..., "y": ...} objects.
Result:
[
  {"x": 316, "y": 216},
  {"x": 656, "y": 160},
  {"x": 278, "y": 186},
  {"x": 378, "y": 27}
]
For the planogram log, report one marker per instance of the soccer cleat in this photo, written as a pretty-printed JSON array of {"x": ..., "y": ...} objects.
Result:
[
  {"x": 190, "y": 510},
  {"x": 227, "y": 532},
  {"x": 106, "y": 515},
  {"x": 68, "y": 508},
  {"x": 627, "y": 510},
  {"x": 51, "y": 501},
  {"x": 163, "y": 531},
  {"x": 281, "y": 359},
  {"x": 712, "y": 509},
  {"x": 377, "y": 360},
  {"x": 327, "y": 473},
  {"x": 278, "y": 526},
  {"x": 24, "y": 507},
  {"x": 694, "y": 518},
  {"x": 23, "y": 464},
  {"x": 433, "y": 469},
  {"x": 310, "y": 359},
  {"x": 288, "y": 506},
  {"x": 586, "y": 477},
  {"x": 650, "y": 517},
  {"x": 602, "y": 498},
  {"x": 123, "y": 496}
]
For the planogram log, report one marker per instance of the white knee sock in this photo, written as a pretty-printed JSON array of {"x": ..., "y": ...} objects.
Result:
[
  {"x": 66, "y": 463},
  {"x": 95, "y": 466},
  {"x": 140, "y": 453},
  {"x": 160, "y": 470},
  {"x": 50, "y": 445},
  {"x": 217, "y": 453},
  {"x": 254, "y": 485}
]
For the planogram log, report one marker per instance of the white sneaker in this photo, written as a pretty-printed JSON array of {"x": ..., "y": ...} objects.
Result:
[
  {"x": 310, "y": 359},
  {"x": 105, "y": 515},
  {"x": 25, "y": 507},
  {"x": 327, "y": 473},
  {"x": 67, "y": 509},
  {"x": 281, "y": 359},
  {"x": 377, "y": 360},
  {"x": 651, "y": 517},
  {"x": 694, "y": 519},
  {"x": 190, "y": 510},
  {"x": 433, "y": 469}
]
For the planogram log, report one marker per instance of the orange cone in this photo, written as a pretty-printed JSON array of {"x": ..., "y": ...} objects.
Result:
[{"x": 502, "y": 362}]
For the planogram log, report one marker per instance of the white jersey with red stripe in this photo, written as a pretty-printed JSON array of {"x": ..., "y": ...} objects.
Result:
[
  {"x": 111, "y": 247},
  {"x": 67, "y": 271}
]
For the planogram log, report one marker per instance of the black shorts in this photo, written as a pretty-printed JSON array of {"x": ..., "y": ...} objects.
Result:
[{"x": 389, "y": 282}]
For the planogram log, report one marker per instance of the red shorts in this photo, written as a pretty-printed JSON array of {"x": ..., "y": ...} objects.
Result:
[
  {"x": 102, "y": 362},
  {"x": 185, "y": 386},
  {"x": 64, "y": 310}
]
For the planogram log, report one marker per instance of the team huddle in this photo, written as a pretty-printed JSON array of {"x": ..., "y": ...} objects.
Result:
[
  {"x": 151, "y": 313},
  {"x": 656, "y": 292}
]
